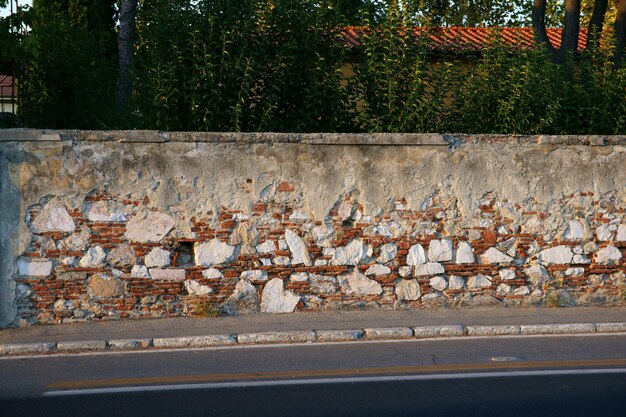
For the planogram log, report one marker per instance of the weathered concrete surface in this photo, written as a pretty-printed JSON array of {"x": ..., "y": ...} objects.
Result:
[
  {"x": 189, "y": 175},
  {"x": 10, "y": 219},
  {"x": 174, "y": 174}
]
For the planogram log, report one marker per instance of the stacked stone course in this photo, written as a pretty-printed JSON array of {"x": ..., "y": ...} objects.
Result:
[{"x": 113, "y": 258}]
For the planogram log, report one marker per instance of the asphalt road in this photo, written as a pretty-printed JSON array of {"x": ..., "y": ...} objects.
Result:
[{"x": 504, "y": 376}]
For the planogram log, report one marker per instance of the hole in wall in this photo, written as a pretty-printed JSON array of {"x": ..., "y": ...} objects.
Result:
[
  {"x": 348, "y": 223},
  {"x": 183, "y": 254}
]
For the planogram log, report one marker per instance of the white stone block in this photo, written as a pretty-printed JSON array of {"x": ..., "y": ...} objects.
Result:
[
  {"x": 338, "y": 335},
  {"x": 408, "y": 290},
  {"x": 299, "y": 277},
  {"x": 388, "y": 333},
  {"x": 609, "y": 255},
  {"x": 556, "y": 255},
  {"x": 212, "y": 273},
  {"x": 275, "y": 299},
  {"x": 456, "y": 282},
  {"x": 507, "y": 274},
  {"x": 149, "y": 227},
  {"x": 575, "y": 272},
  {"x": 425, "y": 332},
  {"x": 493, "y": 330},
  {"x": 214, "y": 252},
  {"x": 574, "y": 231},
  {"x": 464, "y": 254},
  {"x": 494, "y": 256},
  {"x": 387, "y": 253},
  {"x": 405, "y": 271},
  {"x": 158, "y": 258},
  {"x": 169, "y": 274},
  {"x": 193, "y": 287},
  {"x": 416, "y": 256},
  {"x": 605, "y": 232},
  {"x": 479, "y": 281},
  {"x": 254, "y": 275},
  {"x": 299, "y": 249},
  {"x": 54, "y": 218},
  {"x": 266, "y": 247},
  {"x": 357, "y": 284},
  {"x": 377, "y": 269},
  {"x": 351, "y": 254},
  {"x": 438, "y": 283},
  {"x": 430, "y": 268},
  {"x": 30, "y": 267},
  {"x": 105, "y": 211},
  {"x": 440, "y": 250},
  {"x": 140, "y": 271},
  {"x": 323, "y": 284},
  {"x": 94, "y": 258},
  {"x": 296, "y": 336},
  {"x": 537, "y": 275}
]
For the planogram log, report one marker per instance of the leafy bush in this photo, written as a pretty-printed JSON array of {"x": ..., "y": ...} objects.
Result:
[
  {"x": 281, "y": 65},
  {"x": 9, "y": 120},
  {"x": 507, "y": 92},
  {"x": 390, "y": 89},
  {"x": 70, "y": 68},
  {"x": 239, "y": 65},
  {"x": 201, "y": 307},
  {"x": 523, "y": 92}
]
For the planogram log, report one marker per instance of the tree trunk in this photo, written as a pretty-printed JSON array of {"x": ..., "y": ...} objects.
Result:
[
  {"x": 569, "y": 36},
  {"x": 539, "y": 25},
  {"x": 596, "y": 23},
  {"x": 620, "y": 33},
  {"x": 126, "y": 37}
]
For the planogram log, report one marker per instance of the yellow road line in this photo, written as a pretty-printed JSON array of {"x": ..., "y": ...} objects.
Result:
[{"x": 316, "y": 373}]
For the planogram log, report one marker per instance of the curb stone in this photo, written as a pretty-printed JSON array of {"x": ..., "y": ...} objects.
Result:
[
  {"x": 213, "y": 340},
  {"x": 21, "y": 348},
  {"x": 610, "y": 327},
  {"x": 426, "y": 332},
  {"x": 277, "y": 337},
  {"x": 338, "y": 335},
  {"x": 194, "y": 341},
  {"x": 493, "y": 330},
  {"x": 570, "y": 328},
  {"x": 388, "y": 333},
  {"x": 82, "y": 345},
  {"x": 306, "y": 336},
  {"x": 128, "y": 344}
]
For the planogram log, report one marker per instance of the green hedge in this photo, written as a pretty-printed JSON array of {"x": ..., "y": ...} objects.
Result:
[{"x": 279, "y": 65}]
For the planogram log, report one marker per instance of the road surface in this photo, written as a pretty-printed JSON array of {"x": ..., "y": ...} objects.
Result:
[{"x": 503, "y": 376}]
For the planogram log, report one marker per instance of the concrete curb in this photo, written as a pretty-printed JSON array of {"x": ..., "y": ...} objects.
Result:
[{"x": 309, "y": 336}]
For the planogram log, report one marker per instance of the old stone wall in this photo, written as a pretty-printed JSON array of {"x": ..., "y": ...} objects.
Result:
[{"x": 108, "y": 225}]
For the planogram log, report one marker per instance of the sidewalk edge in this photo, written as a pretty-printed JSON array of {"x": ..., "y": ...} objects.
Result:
[{"x": 309, "y": 336}]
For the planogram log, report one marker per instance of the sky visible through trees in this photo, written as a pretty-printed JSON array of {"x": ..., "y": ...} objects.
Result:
[{"x": 467, "y": 12}]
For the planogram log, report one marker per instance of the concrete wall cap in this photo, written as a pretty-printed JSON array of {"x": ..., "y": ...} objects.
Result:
[{"x": 345, "y": 139}]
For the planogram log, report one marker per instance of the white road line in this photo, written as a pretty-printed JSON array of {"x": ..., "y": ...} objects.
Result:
[
  {"x": 322, "y": 381},
  {"x": 312, "y": 344}
]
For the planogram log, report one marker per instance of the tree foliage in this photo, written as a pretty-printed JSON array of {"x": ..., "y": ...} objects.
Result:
[
  {"x": 239, "y": 65},
  {"x": 70, "y": 64},
  {"x": 393, "y": 88},
  {"x": 595, "y": 17},
  {"x": 280, "y": 65},
  {"x": 12, "y": 37}
]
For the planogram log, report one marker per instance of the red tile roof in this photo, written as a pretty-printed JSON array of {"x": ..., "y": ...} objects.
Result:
[
  {"x": 465, "y": 39},
  {"x": 7, "y": 86}
]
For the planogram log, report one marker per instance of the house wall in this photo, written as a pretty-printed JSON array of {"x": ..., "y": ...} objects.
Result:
[
  {"x": 8, "y": 105},
  {"x": 8, "y": 94},
  {"x": 110, "y": 225}
]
